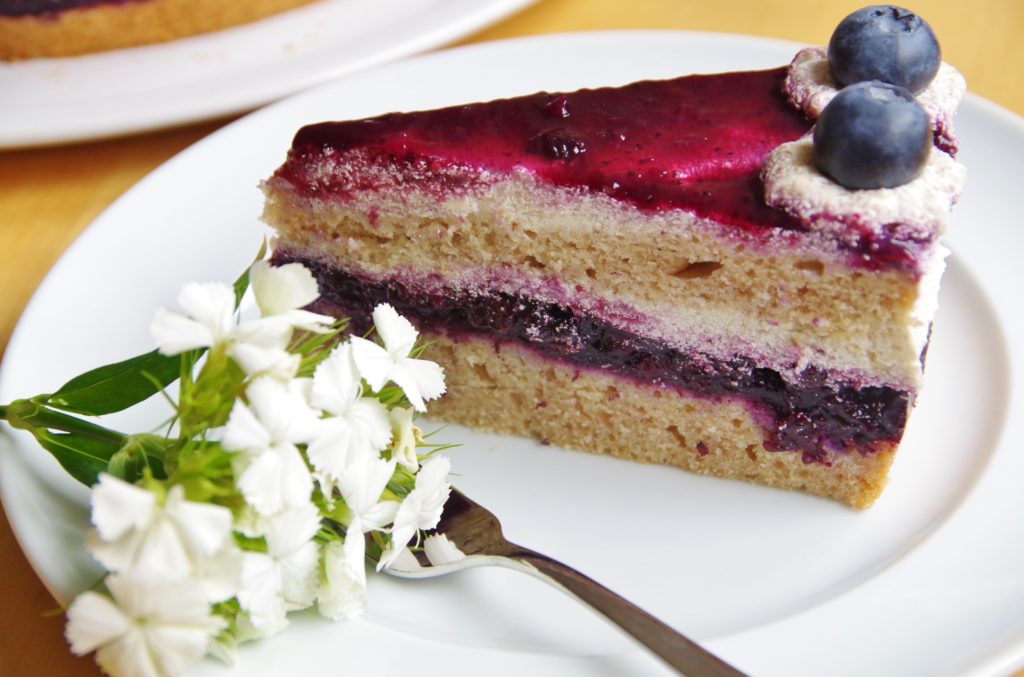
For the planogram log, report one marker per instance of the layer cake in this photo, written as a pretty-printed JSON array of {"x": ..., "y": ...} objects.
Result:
[{"x": 656, "y": 271}]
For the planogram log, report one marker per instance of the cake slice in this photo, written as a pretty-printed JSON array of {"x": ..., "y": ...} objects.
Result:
[{"x": 656, "y": 271}]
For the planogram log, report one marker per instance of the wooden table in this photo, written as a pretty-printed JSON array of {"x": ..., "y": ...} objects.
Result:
[{"x": 48, "y": 196}]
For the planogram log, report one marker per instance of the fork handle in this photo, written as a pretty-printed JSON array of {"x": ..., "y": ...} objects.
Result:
[{"x": 682, "y": 653}]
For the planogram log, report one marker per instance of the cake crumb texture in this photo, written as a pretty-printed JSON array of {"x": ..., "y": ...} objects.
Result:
[{"x": 508, "y": 390}]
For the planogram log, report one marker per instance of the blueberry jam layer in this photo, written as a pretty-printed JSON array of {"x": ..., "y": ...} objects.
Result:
[
  {"x": 30, "y": 7},
  {"x": 814, "y": 415},
  {"x": 695, "y": 143}
]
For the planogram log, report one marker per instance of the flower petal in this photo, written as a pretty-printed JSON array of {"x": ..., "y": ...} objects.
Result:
[
  {"x": 279, "y": 289},
  {"x": 256, "y": 360},
  {"x": 290, "y": 530},
  {"x": 162, "y": 553},
  {"x": 299, "y": 576},
  {"x": 363, "y": 482},
  {"x": 336, "y": 381},
  {"x": 328, "y": 452},
  {"x": 419, "y": 380},
  {"x": 173, "y": 649},
  {"x": 440, "y": 550},
  {"x": 94, "y": 620},
  {"x": 374, "y": 363},
  {"x": 282, "y": 409},
  {"x": 276, "y": 480},
  {"x": 260, "y": 591},
  {"x": 212, "y": 304},
  {"x": 219, "y": 576},
  {"x": 118, "y": 507},
  {"x": 432, "y": 491},
  {"x": 204, "y": 527},
  {"x": 128, "y": 655},
  {"x": 310, "y": 321},
  {"x": 397, "y": 333},
  {"x": 404, "y": 433},
  {"x": 342, "y": 591},
  {"x": 244, "y": 432},
  {"x": 175, "y": 334}
]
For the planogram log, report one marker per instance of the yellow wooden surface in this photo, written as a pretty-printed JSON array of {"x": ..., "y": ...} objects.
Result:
[{"x": 48, "y": 196}]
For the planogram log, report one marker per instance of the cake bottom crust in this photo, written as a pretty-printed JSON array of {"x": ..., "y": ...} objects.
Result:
[
  {"x": 125, "y": 24},
  {"x": 504, "y": 389}
]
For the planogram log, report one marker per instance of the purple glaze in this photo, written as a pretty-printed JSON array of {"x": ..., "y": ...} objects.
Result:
[
  {"x": 47, "y": 7},
  {"x": 814, "y": 414},
  {"x": 695, "y": 143}
]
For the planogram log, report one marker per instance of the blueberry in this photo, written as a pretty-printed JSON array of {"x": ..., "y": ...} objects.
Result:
[
  {"x": 872, "y": 135},
  {"x": 884, "y": 43}
]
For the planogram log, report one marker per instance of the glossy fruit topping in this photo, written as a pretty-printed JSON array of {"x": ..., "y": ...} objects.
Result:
[
  {"x": 695, "y": 143},
  {"x": 872, "y": 135},
  {"x": 884, "y": 43}
]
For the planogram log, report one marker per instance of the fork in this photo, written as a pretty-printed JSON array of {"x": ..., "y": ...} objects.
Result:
[{"x": 477, "y": 535}]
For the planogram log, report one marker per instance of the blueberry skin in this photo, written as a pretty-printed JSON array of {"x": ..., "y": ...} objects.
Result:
[
  {"x": 886, "y": 43},
  {"x": 872, "y": 135}
]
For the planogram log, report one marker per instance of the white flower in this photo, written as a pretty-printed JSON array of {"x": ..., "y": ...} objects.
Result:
[
  {"x": 358, "y": 426},
  {"x": 406, "y": 436},
  {"x": 260, "y": 593},
  {"x": 273, "y": 361},
  {"x": 209, "y": 319},
  {"x": 133, "y": 531},
  {"x": 361, "y": 485},
  {"x": 342, "y": 592},
  {"x": 419, "y": 379},
  {"x": 271, "y": 472},
  {"x": 285, "y": 577},
  {"x": 421, "y": 509},
  {"x": 282, "y": 291},
  {"x": 440, "y": 550},
  {"x": 151, "y": 627},
  {"x": 220, "y": 575}
]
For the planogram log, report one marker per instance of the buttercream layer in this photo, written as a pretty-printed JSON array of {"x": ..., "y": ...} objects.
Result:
[{"x": 814, "y": 412}]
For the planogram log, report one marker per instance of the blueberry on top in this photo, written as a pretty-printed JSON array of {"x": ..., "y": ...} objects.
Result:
[
  {"x": 884, "y": 43},
  {"x": 872, "y": 135}
]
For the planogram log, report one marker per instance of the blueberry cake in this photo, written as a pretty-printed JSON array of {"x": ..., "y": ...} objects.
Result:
[
  {"x": 55, "y": 28},
  {"x": 669, "y": 272}
]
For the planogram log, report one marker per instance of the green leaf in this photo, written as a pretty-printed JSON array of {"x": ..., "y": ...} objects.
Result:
[
  {"x": 115, "y": 387},
  {"x": 83, "y": 457},
  {"x": 242, "y": 283}
]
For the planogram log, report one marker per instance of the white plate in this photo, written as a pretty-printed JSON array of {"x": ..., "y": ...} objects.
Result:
[
  {"x": 929, "y": 581},
  {"x": 49, "y": 101}
]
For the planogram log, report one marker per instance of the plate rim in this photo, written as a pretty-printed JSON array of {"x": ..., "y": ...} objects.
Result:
[
  {"x": 469, "y": 16},
  {"x": 1012, "y": 653}
]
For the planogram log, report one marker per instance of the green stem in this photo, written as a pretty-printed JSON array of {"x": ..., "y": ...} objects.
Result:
[{"x": 32, "y": 416}]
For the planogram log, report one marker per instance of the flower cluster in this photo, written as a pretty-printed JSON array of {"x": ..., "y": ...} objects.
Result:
[{"x": 292, "y": 455}]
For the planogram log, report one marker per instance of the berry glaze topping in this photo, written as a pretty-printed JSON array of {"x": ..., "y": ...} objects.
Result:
[
  {"x": 47, "y": 7},
  {"x": 694, "y": 143},
  {"x": 815, "y": 414}
]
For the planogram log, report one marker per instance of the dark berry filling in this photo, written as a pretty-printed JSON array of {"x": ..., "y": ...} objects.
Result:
[{"x": 812, "y": 415}]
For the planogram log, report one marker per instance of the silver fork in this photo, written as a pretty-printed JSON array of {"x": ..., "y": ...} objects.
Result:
[{"x": 477, "y": 534}]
